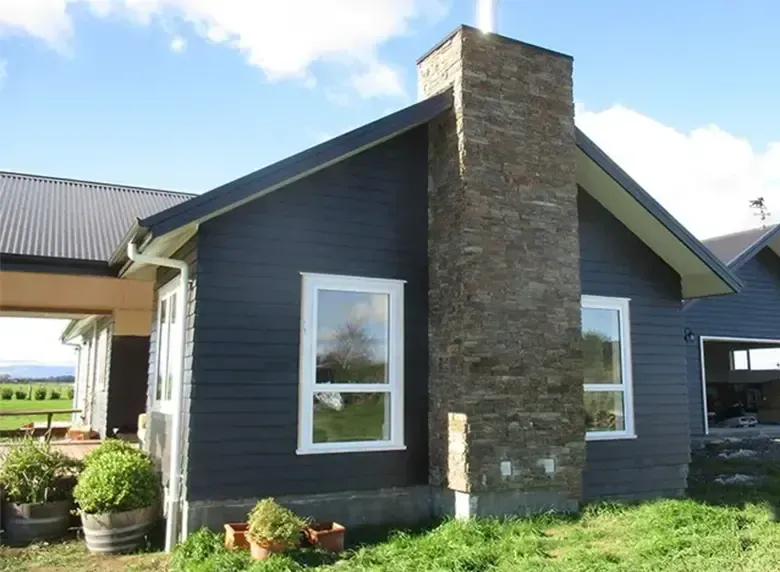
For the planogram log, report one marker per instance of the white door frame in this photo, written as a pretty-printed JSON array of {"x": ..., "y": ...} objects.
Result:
[{"x": 703, "y": 374}]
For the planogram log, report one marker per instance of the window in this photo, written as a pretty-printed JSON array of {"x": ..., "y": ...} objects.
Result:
[
  {"x": 606, "y": 350},
  {"x": 167, "y": 356},
  {"x": 351, "y": 370},
  {"x": 740, "y": 360}
]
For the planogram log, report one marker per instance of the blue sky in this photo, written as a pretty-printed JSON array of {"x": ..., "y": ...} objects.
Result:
[{"x": 189, "y": 94}]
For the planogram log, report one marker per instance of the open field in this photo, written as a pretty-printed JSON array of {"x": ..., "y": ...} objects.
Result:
[{"x": 15, "y": 404}]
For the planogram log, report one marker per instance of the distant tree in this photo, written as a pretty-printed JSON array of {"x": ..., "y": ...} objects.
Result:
[{"x": 761, "y": 210}]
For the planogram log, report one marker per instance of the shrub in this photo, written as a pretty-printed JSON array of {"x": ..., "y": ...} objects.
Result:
[
  {"x": 6, "y": 393},
  {"x": 31, "y": 472},
  {"x": 204, "y": 551},
  {"x": 55, "y": 394},
  {"x": 270, "y": 522},
  {"x": 117, "y": 481},
  {"x": 110, "y": 446},
  {"x": 70, "y": 393},
  {"x": 39, "y": 394},
  {"x": 20, "y": 394}
]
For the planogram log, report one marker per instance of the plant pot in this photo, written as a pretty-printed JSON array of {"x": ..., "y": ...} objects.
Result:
[
  {"x": 261, "y": 551},
  {"x": 328, "y": 535},
  {"x": 117, "y": 532},
  {"x": 235, "y": 535},
  {"x": 25, "y": 523}
]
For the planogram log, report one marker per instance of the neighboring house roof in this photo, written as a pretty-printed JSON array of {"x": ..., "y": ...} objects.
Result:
[
  {"x": 65, "y": 219},
  {"x": 737, "y": 248},
  {"x": 701, "y": 272}
]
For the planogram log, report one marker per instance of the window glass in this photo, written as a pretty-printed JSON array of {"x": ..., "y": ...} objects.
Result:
[
  {"x": 601, "y": 345},
  {"x": 352, "y": 337},
  {"x": 340, "y": 417},
  {"x": 604, "y": 411}
]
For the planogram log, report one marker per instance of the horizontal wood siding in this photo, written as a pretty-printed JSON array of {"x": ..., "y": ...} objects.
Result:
[
  {"x": 753, "y": 313},
  {"x": 366, "y": 216},
  {"x": 158, "y": 438},
  {"x": 616, "y": 263}
]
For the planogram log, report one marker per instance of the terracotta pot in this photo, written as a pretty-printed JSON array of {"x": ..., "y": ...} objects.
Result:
[
  {"x": 328, "y": 535},
  {"x": 261, "y": 551},
  {"x": 235, "y": 535}
]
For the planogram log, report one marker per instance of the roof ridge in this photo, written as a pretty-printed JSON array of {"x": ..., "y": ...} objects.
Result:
[
  {"x": 94, "y": 183},
  {"x": 738, "y": 232}
]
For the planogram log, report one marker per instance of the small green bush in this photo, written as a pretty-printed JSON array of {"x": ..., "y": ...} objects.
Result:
[
  {"x": 204, "y": 551},
  {"x": 110, "y": 446},
  {"x": 270, "y": 522},
  {"x": 117, "y": 481},
  {"x": 20, "y": 394},
  {"x": 55, "y": 394},
  {"x": 70, "y": 393},
  {"x": 6, "y": 393},
  {"x": 32, "y": 472},
  {"x": 39, "y": 394}
]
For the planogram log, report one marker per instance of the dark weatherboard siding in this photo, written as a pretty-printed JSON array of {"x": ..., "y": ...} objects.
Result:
[
  {"x": 616, "y": 263},
  {"x": 753, "y": 313},
  {"x": 158, "y": 431},
  {"x": 365, "y": 216}
]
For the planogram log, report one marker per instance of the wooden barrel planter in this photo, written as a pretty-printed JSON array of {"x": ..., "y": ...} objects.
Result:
[
  {"x": 26, "y": 523},
  {"x": 114, "y": 533}
]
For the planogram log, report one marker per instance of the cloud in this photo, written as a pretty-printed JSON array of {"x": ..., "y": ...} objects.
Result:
[
  {"x": 379, "y": 80},
  {"x": 283, "y": 38},
  {"x": 178, "y": 44},
  {"x": 705, "y": 177},
  {"x": 34, "y": 340}
]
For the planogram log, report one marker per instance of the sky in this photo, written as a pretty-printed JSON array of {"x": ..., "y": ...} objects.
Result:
[{"x": 189, "y": 94}]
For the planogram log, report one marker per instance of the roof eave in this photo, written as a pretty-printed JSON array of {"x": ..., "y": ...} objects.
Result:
[{"x": 728, "y": 280}]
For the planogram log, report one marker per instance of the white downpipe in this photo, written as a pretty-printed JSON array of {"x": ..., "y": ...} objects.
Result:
[{"x": 174, "y": 464}]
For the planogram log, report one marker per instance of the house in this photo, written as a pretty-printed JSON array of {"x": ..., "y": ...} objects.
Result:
[
  {"x": 734, "y": 349},
  {"x": 56, "y": 238},
  {"x": 465, "y": 308}
]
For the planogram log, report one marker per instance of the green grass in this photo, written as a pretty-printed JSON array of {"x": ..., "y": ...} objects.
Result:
[
  {"x": 15, "y": 404},
  {"x": 720, "y": 528}
]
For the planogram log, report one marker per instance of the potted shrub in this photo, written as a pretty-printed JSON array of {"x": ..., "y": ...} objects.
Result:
[
  {"x": 37, "y": 482},
  {"x": 118, "y": 495},
  {"x": 326, "y": 534},
  {"x": 273, "y": 529}
]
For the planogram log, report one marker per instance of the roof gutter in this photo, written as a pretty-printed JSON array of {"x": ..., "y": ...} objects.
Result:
[{"x": 173, "y": 501}]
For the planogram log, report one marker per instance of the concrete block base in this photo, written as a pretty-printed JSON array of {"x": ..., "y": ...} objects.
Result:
[
  {"x": 397, "y": 507},
  {"x": 500, "y": 503}
]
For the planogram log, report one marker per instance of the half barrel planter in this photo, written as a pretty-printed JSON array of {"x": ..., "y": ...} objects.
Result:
[
  {"x": 27, "y": 523},
  {"x": 118, "y": 532}
]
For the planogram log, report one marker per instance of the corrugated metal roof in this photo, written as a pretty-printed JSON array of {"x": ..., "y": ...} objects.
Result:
[
  {"x": 64, "y": 218},
  {"x": 729, "y": 246}
]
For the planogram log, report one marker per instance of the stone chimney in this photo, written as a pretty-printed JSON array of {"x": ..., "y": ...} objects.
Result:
[{"x": 506, "y": 425}]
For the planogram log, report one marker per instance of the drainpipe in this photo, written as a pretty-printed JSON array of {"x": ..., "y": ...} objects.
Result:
[{"x": 174, "y": 464}]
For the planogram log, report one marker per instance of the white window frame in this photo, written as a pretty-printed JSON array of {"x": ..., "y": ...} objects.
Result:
[
  {"x": 166, "y": 292},
  {"x": 394, "y": 388},
  {"x": 622, "y": 305}
]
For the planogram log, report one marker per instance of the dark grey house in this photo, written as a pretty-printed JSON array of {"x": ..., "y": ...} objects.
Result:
[
  {"x": 734, "y": 341},
  {"x": 463, "y": 308}
]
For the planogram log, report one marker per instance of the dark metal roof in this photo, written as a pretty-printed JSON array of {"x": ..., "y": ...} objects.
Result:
[
  {"x": 69, "y": 219},
  {"x": 738, "y": 247},
  {"x": 297, "y": 166}
]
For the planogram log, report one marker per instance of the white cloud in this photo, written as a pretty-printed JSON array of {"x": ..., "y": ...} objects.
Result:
[
  {"x": 379, "y": 80},
  {"x": 705, "y": 178},
  {"x": 34, "y": 340},
  {"x": 178, "y": 44},
  {"x": 283, "y": 38}
]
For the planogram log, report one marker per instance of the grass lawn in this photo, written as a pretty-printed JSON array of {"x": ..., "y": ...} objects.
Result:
[
  {"x": 722, "y": 528},
  {"x": 16, "y": 421}
]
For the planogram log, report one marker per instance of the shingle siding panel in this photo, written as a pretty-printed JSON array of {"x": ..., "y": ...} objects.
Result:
[
  {"x": 365, "y": 217},
  {"x": 614, "y": 262},
  {"x": 63, "y": 218},
  {"x": 753, "y": 313}
]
